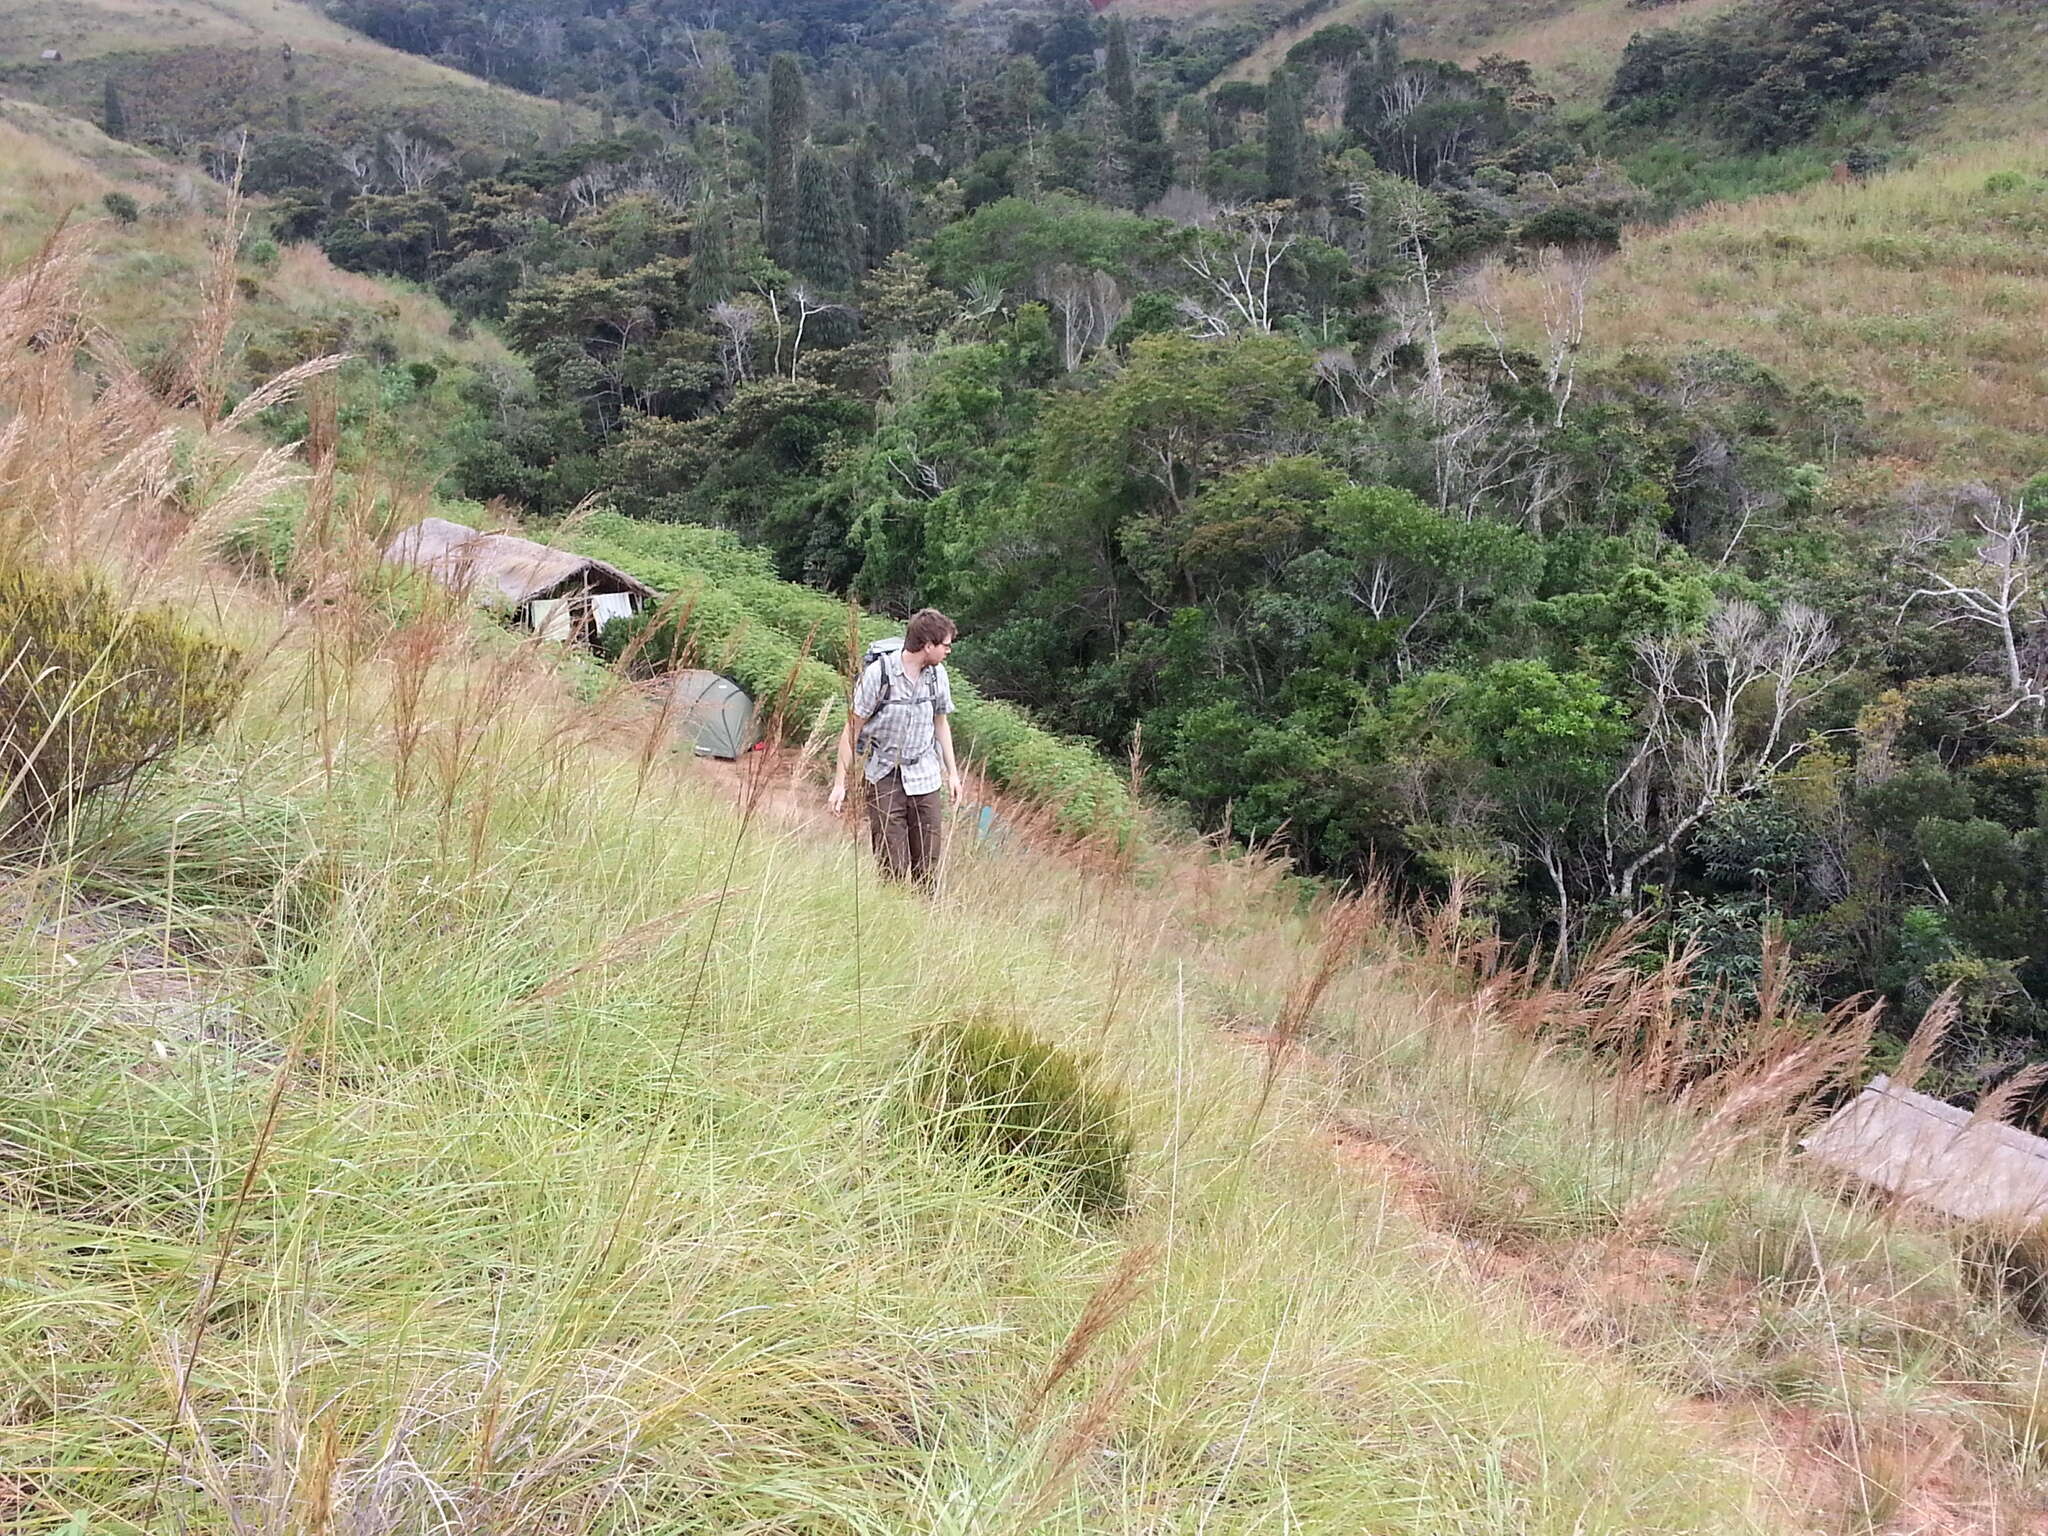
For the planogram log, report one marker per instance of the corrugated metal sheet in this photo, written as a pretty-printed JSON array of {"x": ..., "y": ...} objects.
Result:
[
  {"x": 1937, "y": 1154},
  {"x": 499, "y": 568}
]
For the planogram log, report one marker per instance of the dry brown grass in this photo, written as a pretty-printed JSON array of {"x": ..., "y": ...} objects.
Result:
[
  {"x": 1573, "y": 43},
  {"x": 1919, "y": 290},
  {"x": 1625, "y": 1158}
]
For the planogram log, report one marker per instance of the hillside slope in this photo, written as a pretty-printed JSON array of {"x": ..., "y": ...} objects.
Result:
[
  {"x": 430, "y": 1110},
  {"x": 398, "y": 398},
  {"x": 432, "y": 1107},
  {"x": 1921, "y": 290},
  {"x": 197, "y": 68},
  {"x": 1573, "y": 43}
]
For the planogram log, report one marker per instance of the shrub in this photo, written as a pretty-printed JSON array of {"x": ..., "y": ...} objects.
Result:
[
  {"x": 262, "y": 543},
  {"x": 92, "y": 693},
  {"x": 121, "y": 206},
  {"x": 998, "y": 1092},
  {"x": 736, "y": 587},
  {"x": 1566, "y": 225},
  {"x": 705, "y": 627}
]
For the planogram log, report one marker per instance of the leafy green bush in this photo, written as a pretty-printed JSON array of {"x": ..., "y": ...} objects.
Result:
[
  {"x": 733, "y": 586},
  {"x": 701, "y": 626},
  {"x": 998, "y": 1092},
  {"x": 262, "y": 543},
  {"x": 92, "y": 693},
  {"x": 121, "y": 206}
]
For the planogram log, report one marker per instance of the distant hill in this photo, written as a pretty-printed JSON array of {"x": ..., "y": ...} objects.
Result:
[
  {"x": 194, "y": 69},
  {"x": 1573, "y": 43},
  {"x": 1920, "y": 290},
  {"x": 1919, "y": 287}
]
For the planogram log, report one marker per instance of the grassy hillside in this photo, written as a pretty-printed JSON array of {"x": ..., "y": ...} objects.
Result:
[
  {"x": 430, "y": 1107},
  {"x": 1921, "y": 290},
  {"x": 203, "y": 67},
  {"x": 398, "y": 397},
  {"x": 1573, "y": 43},
  {"x": 427, "y": 1110}
]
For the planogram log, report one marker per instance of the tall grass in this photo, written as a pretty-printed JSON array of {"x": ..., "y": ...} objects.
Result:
[
  {"x": 373, "y": 1163},
  {"x": 373, "y": 1159}
]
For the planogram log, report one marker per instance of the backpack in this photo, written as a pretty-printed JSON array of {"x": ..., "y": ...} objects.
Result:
[{"x": 874, "y": 653}]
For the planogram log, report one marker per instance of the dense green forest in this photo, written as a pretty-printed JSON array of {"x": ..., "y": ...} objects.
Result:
[{"x": 1156, "y": 386}]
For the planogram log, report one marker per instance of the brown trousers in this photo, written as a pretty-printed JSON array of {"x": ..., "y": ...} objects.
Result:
[{"x": 904, "y": 829}]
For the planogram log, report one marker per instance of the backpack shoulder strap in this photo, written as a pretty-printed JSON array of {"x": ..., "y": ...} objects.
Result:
[{"x": 881, "y": 660}]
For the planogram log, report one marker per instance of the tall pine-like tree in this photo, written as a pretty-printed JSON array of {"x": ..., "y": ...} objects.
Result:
[
  {"x": 1146, "y": 151},
  {"x": 711, "y": 255},
  {"x": 881, "y": 222},
  {"x": 892, "y": 114},
  {"x": 1067, "y": 55},
  {"x": 113, "y": 115},
  {"x": 1117, "y": 76},
  {"x": 788, "y": 111},
  {"x": 1191, "y": 139},
  {"x": 1285, "y": 137},
  {"x": 822, "y": 249},
  {"x": 1371, "y": 71}
]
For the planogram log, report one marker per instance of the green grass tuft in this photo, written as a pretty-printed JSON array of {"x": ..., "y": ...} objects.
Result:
[{"x": 998, "y": 1092}]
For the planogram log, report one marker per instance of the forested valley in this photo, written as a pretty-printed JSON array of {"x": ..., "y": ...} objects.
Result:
[{"x": 1192, "y": 397}]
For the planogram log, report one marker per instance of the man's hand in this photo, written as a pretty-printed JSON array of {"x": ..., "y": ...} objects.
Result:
[
  {"x": 837, "y": 799},
  {"x": 958, "y": 786}
]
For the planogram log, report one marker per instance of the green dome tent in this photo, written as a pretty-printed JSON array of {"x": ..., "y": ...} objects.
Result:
[{"x": 713, "y": 713}]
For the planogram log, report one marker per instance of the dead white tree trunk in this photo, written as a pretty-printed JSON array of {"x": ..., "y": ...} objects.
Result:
[
  {"x": 1236, "y": 259},
  {"x": 1719, "y": 719},
  {"x": 414, "y": 163},
  {"x": 1996, "y": 593}
]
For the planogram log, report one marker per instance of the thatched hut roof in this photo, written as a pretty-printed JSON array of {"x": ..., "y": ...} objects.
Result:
[
  {"x": 1937, "y": 1154},
  {"x": 501, "y": 567}
]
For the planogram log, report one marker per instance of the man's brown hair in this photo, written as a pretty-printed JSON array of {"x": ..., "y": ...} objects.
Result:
[{"x": 927, "y": 627}]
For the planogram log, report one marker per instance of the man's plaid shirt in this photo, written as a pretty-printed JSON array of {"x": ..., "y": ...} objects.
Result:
[{"x": 903, "y": 732}]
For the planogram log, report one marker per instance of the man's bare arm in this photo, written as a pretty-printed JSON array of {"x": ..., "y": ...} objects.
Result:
[
  {"x": 945, "y": 732},
  {"x": 855, "y": 724}
]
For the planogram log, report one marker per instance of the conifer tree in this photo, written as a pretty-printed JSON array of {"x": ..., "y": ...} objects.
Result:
[
  {"x": 1146, "y": 151},
  {"x": 1192, "y": 130},
  {"x": 928, "y": 111},
  {"x": 113, "y": 115},
  {"x": 294, "y": 115},
  {"x": 1374, "y": 67},
  {"x": 1100, "y": 127},
  {"x": 821, "y": 250},
  {"x": 1067, "y": 53},
  {"x": 1117, "y": 78},
  {"x": 711, "y": 256},
  {"x": 892, "y": 114},
  {"x": 881, "y": 221},
  {"x": 888, "y": 230},
  {"x": 787, "y": 111},
  {"x": 1284, "y": 137}
]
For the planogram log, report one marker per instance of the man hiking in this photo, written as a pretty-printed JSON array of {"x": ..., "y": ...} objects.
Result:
[{"x": 899, "y": 717}]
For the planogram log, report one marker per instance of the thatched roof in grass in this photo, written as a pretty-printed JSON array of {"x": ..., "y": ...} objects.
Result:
[
  {"x": 1936, "y": 1154},
  {"x": 500, "y": 568}
]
